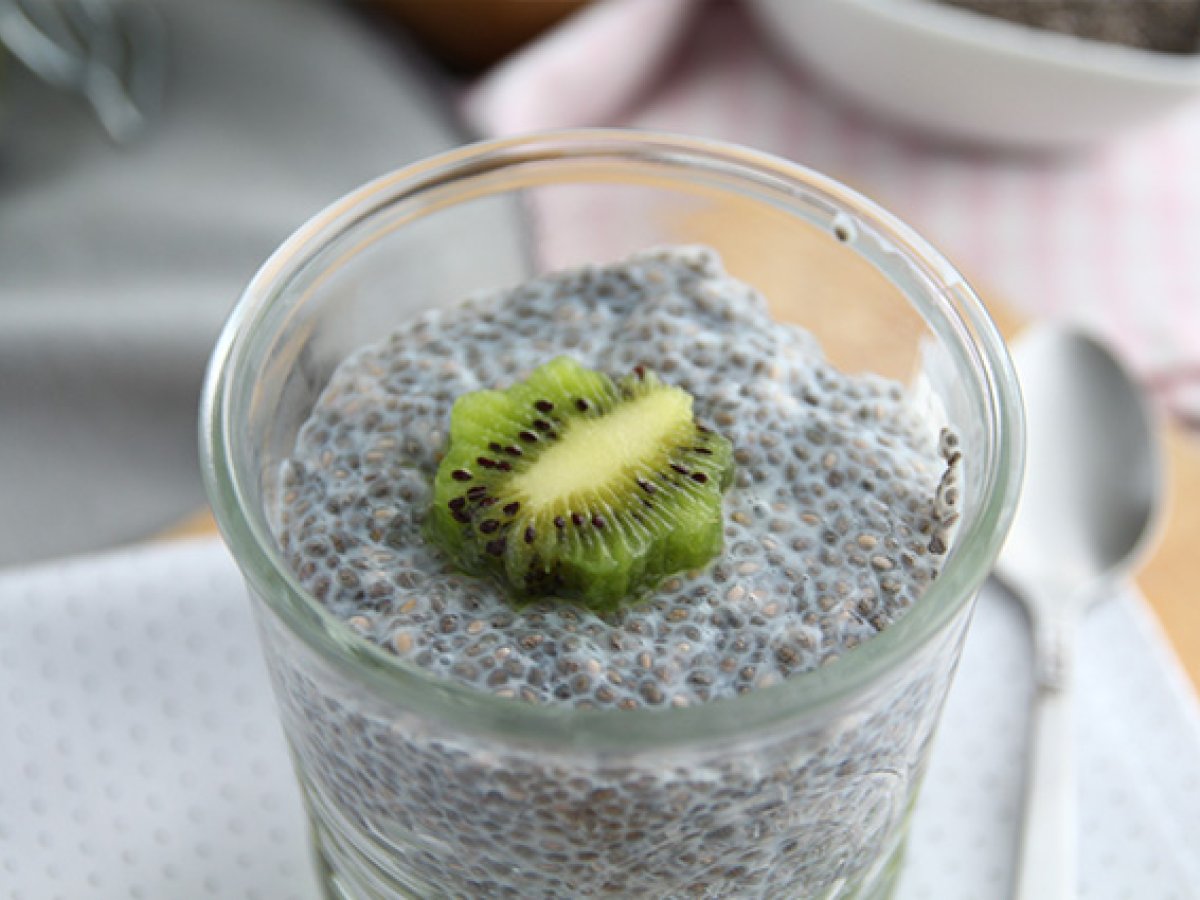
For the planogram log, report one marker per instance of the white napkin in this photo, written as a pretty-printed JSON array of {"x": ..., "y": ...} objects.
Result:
[{"x": 142, "y": 758}]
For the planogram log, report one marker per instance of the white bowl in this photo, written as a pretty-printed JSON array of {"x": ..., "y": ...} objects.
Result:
[{"x": 974, "y": 78}]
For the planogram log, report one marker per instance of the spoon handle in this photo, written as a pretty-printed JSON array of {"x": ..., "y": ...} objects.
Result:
[{"x": 1046, "y": 869}]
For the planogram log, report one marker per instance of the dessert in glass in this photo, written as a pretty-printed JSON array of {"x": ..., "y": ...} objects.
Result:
[{"x": 612, "y": 507}]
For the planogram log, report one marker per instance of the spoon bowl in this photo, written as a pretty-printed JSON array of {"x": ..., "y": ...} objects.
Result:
[
  {"x": 1088, "y": 511},
  {"x": 1094, "y": 472}
]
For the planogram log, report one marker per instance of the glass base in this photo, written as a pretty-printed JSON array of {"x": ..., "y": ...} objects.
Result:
[
  {"x": 334, "y": 887},
  {"x": 886, "y": 882},
  {"x": 326, "y": 880}
]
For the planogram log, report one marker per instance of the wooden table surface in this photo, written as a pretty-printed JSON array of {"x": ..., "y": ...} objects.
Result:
[{"x": 875, "y": 338}]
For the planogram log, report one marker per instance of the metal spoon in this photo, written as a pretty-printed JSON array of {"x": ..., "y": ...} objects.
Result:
[{"x": 1093, "y": 483}]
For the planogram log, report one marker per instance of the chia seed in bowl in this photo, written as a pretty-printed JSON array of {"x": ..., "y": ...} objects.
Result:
[{"x": 1165, "y": 26}]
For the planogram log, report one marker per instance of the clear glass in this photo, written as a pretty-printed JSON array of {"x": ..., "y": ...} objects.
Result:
[{"x": 419, "y": 787}]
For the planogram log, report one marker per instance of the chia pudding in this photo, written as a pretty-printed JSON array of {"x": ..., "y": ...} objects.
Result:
[{"x": 842, "y": 507}]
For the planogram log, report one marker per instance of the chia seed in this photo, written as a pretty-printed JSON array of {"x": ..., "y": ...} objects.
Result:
[
  {"x": 481, "y": 820},
  {"x": 1167, "y": 26}
]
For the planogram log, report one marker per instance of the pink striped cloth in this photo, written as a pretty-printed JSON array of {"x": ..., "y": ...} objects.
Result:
[{"x": 1109, "y": 240}]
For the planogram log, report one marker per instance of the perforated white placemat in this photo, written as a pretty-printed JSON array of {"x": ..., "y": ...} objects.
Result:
[{"x": 140, "y": 756}]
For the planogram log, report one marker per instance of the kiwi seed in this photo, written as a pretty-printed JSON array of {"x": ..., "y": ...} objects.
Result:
[{"x": 616, "y": 485}]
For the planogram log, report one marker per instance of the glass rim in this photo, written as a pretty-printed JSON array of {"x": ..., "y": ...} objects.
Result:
[{"x": 253, "y": 546}]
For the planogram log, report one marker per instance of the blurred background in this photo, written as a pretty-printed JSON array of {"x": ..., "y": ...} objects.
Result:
[{"x": 154, "y": 152}]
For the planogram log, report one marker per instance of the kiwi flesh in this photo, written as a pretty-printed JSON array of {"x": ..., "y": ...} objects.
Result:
[{"x": 573, "y": 485}]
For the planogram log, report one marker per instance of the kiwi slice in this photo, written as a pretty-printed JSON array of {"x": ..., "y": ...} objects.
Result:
[{"x": 573, "y": 485}]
